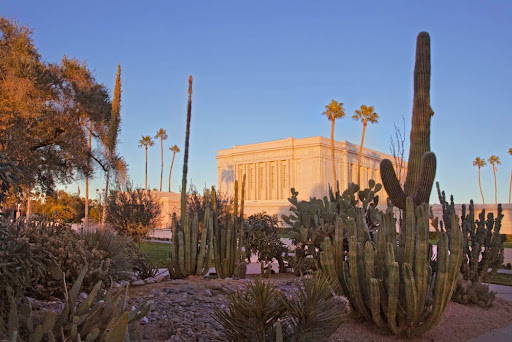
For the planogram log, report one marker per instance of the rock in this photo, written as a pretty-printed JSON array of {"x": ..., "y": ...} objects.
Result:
[
  {"x": 149, "y": 280},
  {"x": 83, "y": 295},
  {"x": 138, "y": 282}
]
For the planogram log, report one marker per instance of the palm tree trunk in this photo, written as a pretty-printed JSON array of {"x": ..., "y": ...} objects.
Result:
[
  {"x": 162, "y": 162},
  {"x": 333, "y": 158},
  {"x": 170, "y": 171},
  {"x": 183, "y": 207},
  {"x": 89, "y": 147},
  {"x": 359, "y": 159},
  {"x": 495, "y": 184},
  {"x": 480, "y": 186},
  {"x": 146, "y": 178}
]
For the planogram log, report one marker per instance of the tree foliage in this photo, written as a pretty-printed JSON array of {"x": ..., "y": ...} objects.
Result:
[
  {"x": 42, "y": 110},
  {"x": 262, "y": 238}
]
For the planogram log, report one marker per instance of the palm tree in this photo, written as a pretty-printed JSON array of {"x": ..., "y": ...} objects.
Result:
[
  {"x": 365, "y": 114},
  {"x": 510, "y": 186},
  {"x": 146, "y": 142},
  {"x": 334, "y": 110},
  {"x": 494, "y": 160},
  {"x": 175, "y": 149},
  {"x": 162, "y": 135},
  {"x": 479, "y": 163}
]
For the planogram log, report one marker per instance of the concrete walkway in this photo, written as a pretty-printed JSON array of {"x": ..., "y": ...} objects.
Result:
[
  {"x": 502, "y": 334},
  {"x": 496, "y": 335}
]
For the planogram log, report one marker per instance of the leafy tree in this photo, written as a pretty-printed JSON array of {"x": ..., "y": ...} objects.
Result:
[
  {"x": 334, "y": 110},
  {"x": 175, "y": 149},
  {"x": 132, "y": 212},
  {"x": 60, "y": 207},
  {"x": 146, "y": 142},
  {"x": 162, "y": 135},
  {"x": 42, "y": 110},
  {"x": 93, "y": 107},
  {"x": 479, "y": 163},
  {"x": 365, "y": 114},
  {"x": 494, "y": 161}
]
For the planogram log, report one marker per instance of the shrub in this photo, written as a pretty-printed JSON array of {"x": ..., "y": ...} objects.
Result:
[
  {"x": 132, "y": 212},
  {"x": 38, "y": 254},
  {"x": 262, "y": 238}
]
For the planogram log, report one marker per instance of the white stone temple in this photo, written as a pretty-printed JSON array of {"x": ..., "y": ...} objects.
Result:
[{"x": 273, "y": 167}]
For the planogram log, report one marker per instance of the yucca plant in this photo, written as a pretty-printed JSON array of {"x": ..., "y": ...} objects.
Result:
[
  {"x": 252, "y": 313},
  {"x": 313, "y": 312},
  {"x": 261, "y": 312}
]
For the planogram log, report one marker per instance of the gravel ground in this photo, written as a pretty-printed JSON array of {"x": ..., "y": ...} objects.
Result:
[{"x": 182, "y": 311}]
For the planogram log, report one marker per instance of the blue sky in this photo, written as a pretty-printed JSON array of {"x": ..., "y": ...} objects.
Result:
[{"x": 265, "y": 69}]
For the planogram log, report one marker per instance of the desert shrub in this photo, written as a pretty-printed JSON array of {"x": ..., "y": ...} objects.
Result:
[
  {"x": 124, "y": 254},
  {"x": 38, "y": 254},
  {"x": 132, "y": 212},
  {"x": 262, "y": 238},
  {"x": 99, "y": 317},
  {"x": 261, "y": 312}
]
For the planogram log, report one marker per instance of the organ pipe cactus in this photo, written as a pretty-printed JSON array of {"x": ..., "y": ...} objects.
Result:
[
  {"x": 191, "y": 244},
  {"x": 228, "y": 237},
  {"x": 483, "y": 249},
  {"x": 421, "y": 167},
  {"x": 218, "y": 237},
  {"x": 388, "y": 277}
]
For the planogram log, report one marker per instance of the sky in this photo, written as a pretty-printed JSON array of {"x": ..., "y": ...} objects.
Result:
[{"x": 264, "y": 70}]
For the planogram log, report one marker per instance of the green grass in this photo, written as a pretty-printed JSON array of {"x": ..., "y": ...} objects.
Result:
[
  {"x": 502, "y": 279},
  {"x": 157, "y": 253}
]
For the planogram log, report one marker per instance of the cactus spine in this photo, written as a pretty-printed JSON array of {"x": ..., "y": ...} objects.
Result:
[
  {"x": 388, "y": 278},
  {"x": 421, "y": 167}
]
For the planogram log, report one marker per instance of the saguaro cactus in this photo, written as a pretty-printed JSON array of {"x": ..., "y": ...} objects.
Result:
[
  {"x": 421, "y": 167},
  {"x": 388, "y": 277}
]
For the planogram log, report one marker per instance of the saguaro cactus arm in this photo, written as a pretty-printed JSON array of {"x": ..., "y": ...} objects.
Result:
[{"x": 421, "y": 164}]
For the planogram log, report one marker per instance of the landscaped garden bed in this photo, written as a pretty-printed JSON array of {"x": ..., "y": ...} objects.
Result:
[{"x": 182, "y": 310}]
